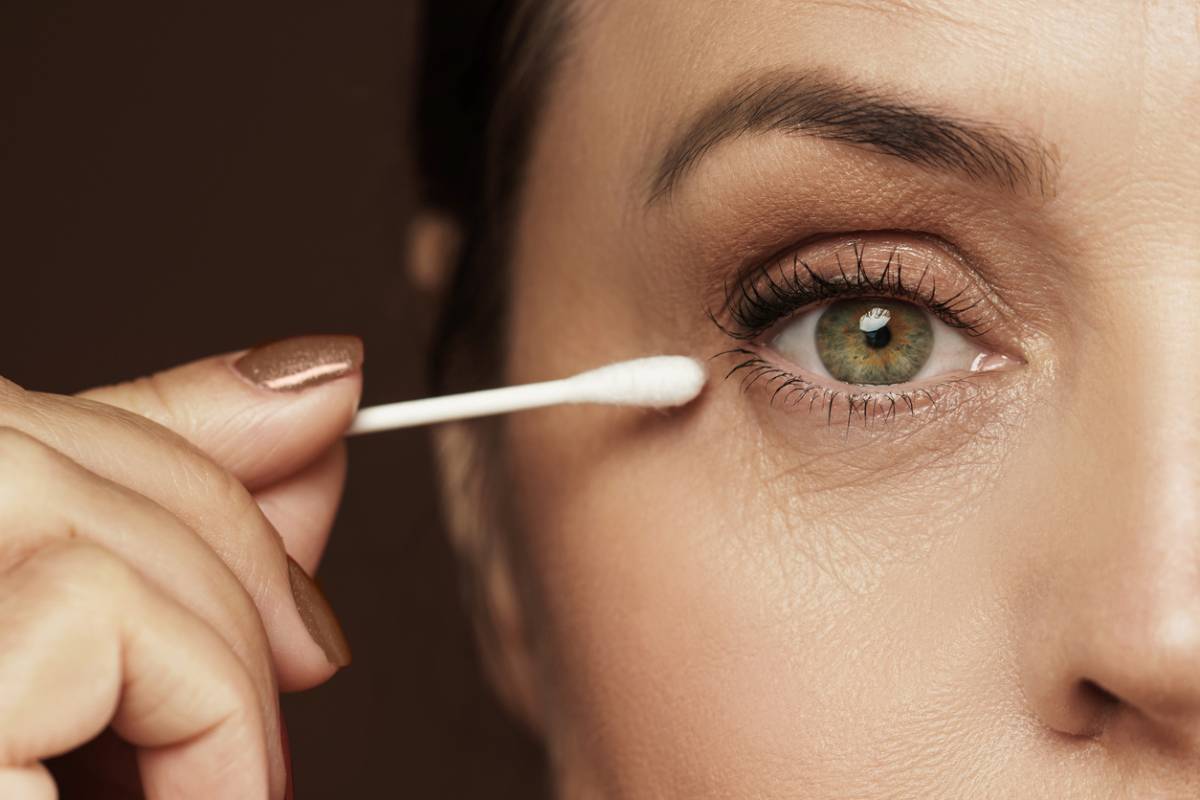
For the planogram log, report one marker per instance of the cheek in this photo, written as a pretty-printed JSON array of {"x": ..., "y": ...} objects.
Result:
[
  {"x": 663, "y": 632},
  {"x": 713, "y": 622},
  {"x": 694, "y": 638}
]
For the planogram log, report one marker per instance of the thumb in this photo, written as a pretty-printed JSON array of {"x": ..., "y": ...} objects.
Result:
[{"x": 262, "y": 414}]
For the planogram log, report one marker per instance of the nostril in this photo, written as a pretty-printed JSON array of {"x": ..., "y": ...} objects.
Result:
[
  {"x": 1097, "y": 693},
  {"x": 1100, "y": 703}
]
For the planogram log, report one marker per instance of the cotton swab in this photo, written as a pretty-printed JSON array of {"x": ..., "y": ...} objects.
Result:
[{"x": 654, "y": 382}]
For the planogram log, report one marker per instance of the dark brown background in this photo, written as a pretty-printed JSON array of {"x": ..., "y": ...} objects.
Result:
[{"x": 186, "y": 178}]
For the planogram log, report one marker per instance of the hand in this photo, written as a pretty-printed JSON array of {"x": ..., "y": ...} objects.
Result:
[{"x": 144, "y": 583}]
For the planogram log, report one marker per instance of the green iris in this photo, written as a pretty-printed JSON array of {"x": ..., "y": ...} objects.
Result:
[{"x": 893, "y": 353}]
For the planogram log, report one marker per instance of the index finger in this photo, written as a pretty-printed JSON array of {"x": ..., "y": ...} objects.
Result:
[{"x": 262, "y": 414}]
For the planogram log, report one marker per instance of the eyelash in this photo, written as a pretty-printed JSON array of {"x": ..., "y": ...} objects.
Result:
[
  {"x": 753, "y": 313},
  {"x": 795, "y": 388},
  {"x": 777, "y": 290}
]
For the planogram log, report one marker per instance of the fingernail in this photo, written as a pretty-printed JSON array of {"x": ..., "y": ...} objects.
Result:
[
  {"x": 318, "y": 616},
  {"x": 302, "y": 361}
]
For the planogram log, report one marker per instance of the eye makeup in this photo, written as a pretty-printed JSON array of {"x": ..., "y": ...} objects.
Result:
[{"x": 861, "y": 327}]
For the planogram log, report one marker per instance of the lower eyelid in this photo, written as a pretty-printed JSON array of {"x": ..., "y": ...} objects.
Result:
[{"x": 831, "y": 403}]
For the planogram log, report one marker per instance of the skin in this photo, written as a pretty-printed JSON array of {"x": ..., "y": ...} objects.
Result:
[
  {"x": 144, "y": 582},
  {"x": 995, "y": 596}
]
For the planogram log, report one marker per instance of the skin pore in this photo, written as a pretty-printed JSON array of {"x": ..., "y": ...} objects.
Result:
[{"x": 988, "y": 589}]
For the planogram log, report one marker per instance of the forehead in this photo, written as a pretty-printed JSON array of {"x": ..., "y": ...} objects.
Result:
[
  {"x": 676, "y": 46},
  {"x": 637, "y": 69}
]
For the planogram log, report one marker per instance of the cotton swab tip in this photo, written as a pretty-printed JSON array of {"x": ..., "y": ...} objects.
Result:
[{"x": 654, "y": 382}]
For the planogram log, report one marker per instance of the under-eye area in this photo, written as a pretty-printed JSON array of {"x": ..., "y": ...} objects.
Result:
[{"x": 862, "y": 328}]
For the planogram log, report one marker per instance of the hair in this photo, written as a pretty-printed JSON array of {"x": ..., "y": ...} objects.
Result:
[{"x": 487, "y": 68}]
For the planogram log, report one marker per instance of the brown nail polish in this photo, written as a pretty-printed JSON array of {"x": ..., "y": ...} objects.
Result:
[
  {"x": 302, "y": 361},
  {"x": 318, "y": 616}
]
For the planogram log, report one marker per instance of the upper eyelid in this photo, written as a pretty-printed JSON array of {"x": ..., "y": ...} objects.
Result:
[{"x": 771, "y": 291}]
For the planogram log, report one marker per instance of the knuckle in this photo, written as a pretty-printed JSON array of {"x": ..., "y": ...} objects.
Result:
[
  {"x": 241, "y": 608},
  {"x": 83, "y": 575},
  {"x": 16, "y": 446},
  {"x": 243, "y": 702},
  {"x": 74, "y": 590},
  {"x": 232, "y": 699},
  {"x": 150, "y": 396},
  {"x": 22, "y": 457},
  {"x": 34, "y": 481},
  {"x": 225, "y": 491}
]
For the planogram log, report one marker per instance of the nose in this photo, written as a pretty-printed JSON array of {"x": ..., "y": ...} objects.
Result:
[
  {"x": 1108, "y": 609},
  {"x": 1114, "y": 640},
  {"x": 1111, "y": 609}
]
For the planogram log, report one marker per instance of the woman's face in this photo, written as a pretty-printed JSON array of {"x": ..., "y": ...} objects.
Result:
[{"x": 960, "y": 558}]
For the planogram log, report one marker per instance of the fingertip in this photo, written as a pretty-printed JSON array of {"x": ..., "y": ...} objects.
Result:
[
  {"x": 318, "y": 616},
  {"x": 307, "y": 640},
  {"x": 300, "y": 362},
  {"x": 265, "y": 445},
  {"x": 261, "y": 414}
]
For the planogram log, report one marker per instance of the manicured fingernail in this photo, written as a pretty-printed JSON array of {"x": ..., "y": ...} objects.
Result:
[
  {"x": 318, "y": 616},
  {"x": 302, "y": 361}
]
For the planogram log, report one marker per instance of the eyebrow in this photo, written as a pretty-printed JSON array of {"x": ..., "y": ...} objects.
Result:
[{"x": 839, "y": 111}]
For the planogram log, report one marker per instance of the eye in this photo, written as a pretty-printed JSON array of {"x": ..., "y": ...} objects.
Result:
[
  {"x": 863, "y": 328},
  {"x": 875, "y": 341}
]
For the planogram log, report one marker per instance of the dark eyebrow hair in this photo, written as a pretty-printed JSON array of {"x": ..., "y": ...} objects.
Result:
[{"x": 839, "y": 111}]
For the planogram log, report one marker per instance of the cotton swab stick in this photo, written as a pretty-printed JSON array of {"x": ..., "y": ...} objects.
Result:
[{"x": 654, "y": 382}]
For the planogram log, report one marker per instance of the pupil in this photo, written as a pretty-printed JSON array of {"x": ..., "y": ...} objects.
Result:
[{"x": 879, "y": 338}]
